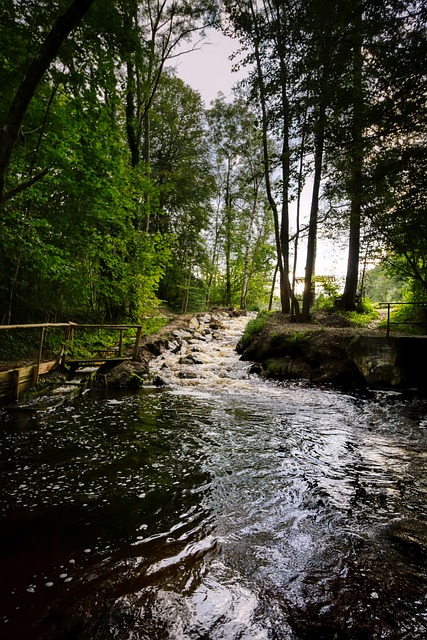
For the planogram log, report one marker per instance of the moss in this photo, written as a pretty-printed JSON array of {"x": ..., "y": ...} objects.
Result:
[
  {"x": 278, "y": 369},
  {"x": 293, "y": 344}
]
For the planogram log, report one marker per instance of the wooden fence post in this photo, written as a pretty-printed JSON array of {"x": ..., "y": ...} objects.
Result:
[
  {"x": 39, "y": 357},
  {"x": 137, "y": 341},
  {"x": 388, "y": 320},
  {"x": 121, "y": 343},
  {"x": 15, "y": 384}
]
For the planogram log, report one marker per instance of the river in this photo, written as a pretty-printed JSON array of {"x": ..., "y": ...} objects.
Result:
[{"x": 217, "y": 507}]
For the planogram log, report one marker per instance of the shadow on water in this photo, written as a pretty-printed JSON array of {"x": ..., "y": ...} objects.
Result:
[{"x": 242, "y": 511}]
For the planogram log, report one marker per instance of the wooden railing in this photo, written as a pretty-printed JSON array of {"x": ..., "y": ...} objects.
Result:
[{"x": 14, "y": 381}]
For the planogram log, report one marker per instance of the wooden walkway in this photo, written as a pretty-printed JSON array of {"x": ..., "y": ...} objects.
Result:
[{"x": 15, "y": 381}]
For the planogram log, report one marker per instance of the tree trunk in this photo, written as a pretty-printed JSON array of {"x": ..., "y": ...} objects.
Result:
[
  {"x": 314, "y": 211},
  {"x": 131, "y": 129},
  {"x": 299, "y": 192},
  {"x": 348, "y": 300},
  {"x": 273, "y": 286},
  {"x": 228, "y": 222},
  {"x": 246, "y": 275},
  {"x": 267, "y": 169},
  {"x": 48, "y": 51}
]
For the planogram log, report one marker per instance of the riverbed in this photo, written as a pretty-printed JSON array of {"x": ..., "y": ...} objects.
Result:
[{"x": 218, "y": 506}]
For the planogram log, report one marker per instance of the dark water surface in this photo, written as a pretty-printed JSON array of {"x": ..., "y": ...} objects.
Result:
[{"x": 272, "y": 511}]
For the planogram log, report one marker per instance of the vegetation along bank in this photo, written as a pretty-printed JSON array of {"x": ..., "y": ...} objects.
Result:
[{"x": 333, "y": 351}]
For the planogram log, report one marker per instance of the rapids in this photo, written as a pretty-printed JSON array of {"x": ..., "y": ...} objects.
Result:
[{"x": 218, "y": 506}]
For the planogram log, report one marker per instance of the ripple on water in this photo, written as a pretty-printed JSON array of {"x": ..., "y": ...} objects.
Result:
[{"x": 222, "y": 508}]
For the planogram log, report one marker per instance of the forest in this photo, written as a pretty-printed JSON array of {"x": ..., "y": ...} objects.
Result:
[{"x": 121, "y": 192}]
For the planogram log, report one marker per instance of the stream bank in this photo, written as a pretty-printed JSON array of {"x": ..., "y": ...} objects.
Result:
[{"x": 334, "y": 352}]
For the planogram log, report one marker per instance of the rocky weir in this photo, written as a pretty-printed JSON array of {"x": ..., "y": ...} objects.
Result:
[{"x": 190, "y": 351}]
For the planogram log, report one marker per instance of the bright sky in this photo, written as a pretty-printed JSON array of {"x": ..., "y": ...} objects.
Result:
[{"x": 209, "y": 70}]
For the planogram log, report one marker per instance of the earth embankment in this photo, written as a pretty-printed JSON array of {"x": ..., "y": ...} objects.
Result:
[{"x": 318, "y": 352}]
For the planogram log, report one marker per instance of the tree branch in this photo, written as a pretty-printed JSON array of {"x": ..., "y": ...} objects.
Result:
[
  {"x": 64, "y": 24},
  {"x": 24, "y": 185}
]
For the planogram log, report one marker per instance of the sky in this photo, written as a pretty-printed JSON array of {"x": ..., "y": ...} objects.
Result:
[{"x": 209, "y": 70}]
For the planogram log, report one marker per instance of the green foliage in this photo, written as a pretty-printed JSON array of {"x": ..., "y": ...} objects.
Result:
[
  {"x": 254, "y": 328},
  {"x": 364, "y": 316},
  {"x": 278, "y": 369},
  {"x": 293, "y": 344},
  {"x": 408, "y": 318},
  {"x": 383, "y": 286},
  {"x": 326, "y": 299}
]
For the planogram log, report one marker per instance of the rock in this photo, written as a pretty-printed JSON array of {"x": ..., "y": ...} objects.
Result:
[
  {"x": 156, "y": 348},
  {"x": 255, "y": 369},
  {"x": 173, "y": 346},
  {"x": 188, "y": 360},
  {"x": 215, "y": 326},
  {"x": 179, "y": 333},
  {"x": 194, "y": 323},
  {"x": 128, "y": 375},
  {"x": 206, "y": 319},
  {"x": 199, "y": 336}
]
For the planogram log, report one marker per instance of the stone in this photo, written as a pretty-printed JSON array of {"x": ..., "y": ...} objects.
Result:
[
  {"x": 179, "y": 333},
  {"x": 173, "y": 346},
  {"x": 194, "y": 323}
]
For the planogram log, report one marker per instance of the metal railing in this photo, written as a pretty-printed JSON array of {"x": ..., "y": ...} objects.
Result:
[{"x": 389, "y": 305}]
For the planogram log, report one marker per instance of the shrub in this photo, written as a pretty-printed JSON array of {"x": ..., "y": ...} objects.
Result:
[{"x": 253, "y": 328}]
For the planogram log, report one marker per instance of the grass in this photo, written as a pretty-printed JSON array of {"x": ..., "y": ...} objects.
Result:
[
  {"x": 254, "y": 328},
  {"x": 21, "y": 345}
]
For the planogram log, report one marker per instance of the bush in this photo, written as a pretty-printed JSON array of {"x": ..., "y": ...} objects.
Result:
[
  {"x": 366, "y": 314},
  {"x": 253, "y": 328}
]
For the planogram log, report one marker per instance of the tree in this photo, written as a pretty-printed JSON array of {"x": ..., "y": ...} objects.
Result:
[
  {"x": 241, "y": 218},
  {"x": 181, "y": 171},
  {"x": 63, "y": 26}
]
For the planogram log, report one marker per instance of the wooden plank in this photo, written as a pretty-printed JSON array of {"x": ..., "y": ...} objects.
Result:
[
  {"x": 35, "y": 326},
  {"x": 45, "y": 367},
  {"x": 39, "y": 356},
  {"x": 9, "y": 386}
]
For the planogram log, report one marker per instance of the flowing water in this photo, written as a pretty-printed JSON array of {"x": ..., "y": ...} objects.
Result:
[{"x": 218, "y": 507}]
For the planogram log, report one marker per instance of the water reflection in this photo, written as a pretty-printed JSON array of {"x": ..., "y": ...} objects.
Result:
[{"x": 268, "y": 511}]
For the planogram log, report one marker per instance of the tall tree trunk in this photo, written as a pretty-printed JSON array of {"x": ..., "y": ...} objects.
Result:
[
  {"x": 214, "y": 257},
  {"x": 246, "y": 275},
  {"x": 228, "y": 238},
  {"x": 267, "y": 168},
  {"x": 273, "y": 286},
  {"x": 348, "y": 300},
  {"x": 131, "y": 122},
  {"x": 298, "y": 213},
  {"x": 281, "y": 37},
  {"x": 48, "y": 51},
  {"x": 314, "y": 212}
]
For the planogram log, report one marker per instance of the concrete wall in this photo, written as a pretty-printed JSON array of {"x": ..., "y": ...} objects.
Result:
[{"x": 394, "y": 362}]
